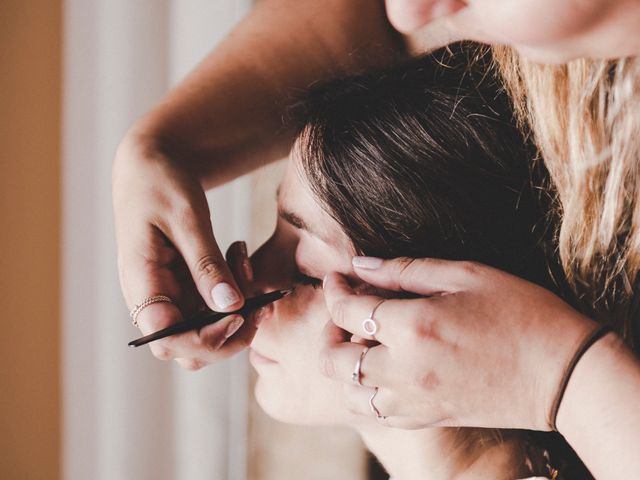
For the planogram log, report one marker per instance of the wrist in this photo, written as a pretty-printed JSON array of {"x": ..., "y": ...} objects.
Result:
[
  {"x": 581, "y": 404},
  {"x": 585, "y": 344},
  {"x": 599, "y": 416},
  {"x": 143, "y": 148},
  {"x": 565, "y": 333}
]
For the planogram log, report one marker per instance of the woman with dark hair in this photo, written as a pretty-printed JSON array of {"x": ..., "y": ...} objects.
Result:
[
  {"x": 582, "y": 103},
  {"x": 422, "y": 161}
]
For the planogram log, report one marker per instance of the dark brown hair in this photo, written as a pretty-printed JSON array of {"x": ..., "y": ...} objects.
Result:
[{"x": 425, "y": 160}]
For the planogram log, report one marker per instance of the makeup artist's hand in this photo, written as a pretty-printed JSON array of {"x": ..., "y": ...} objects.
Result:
[
  {"x": 484, "y": 349},
  {"x": 166, "y": 246}
]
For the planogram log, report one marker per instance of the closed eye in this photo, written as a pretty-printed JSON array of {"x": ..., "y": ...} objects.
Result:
[{"x": 302, "y": 279}]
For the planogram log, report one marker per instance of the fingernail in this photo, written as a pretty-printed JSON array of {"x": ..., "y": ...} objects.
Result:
[
  {"x": 368, "y": 263},
  {"x": 243, "y": 249},
  {"x": 224, "y": 295},
  {"x": 258, "y": 317},
  {"x": 246, "y": 263},
  {"x": 324, "y": 281},
  {"x": 234, "y": 326}
]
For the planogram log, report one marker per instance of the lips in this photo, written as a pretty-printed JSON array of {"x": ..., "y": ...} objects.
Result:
[{"x": 257, "y": 317}]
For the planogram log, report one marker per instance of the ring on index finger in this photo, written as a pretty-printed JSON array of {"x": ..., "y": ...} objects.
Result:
[{"x": 369, "y": 325}]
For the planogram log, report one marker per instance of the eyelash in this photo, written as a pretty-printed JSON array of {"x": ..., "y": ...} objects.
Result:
[{"x": 302, "y": 279}]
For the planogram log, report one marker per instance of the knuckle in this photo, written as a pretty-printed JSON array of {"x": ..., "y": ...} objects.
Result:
[
  {"x": 427, "y": 328},
  {"x": 414, "y": 321},
  {"x": 339, "y": 312},
  {"x": 212, "y": 343},
  {"x": 414, "y": 325},
  {"x": 327, "y": 366},
  {"x": 407, "y": 265},
  {"x": 471, "y": 268},
  {"x": 208, "y": 266},
  {"x": 193, "y": 364},
  {"x": 161, "y": 352},
  {"x": 427, "y": 381}
]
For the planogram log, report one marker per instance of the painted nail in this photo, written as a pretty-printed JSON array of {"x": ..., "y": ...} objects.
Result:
[
  {"x": 246, "y": 263},
  {"x": 224, "y": 295},
  {"x": 258, "y": 317},
  {"x": 367, "y": 263},
  {"x": 233, "y": 326}
]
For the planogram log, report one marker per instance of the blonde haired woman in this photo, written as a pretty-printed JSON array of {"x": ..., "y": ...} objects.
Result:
[{"x": 481, "y": 347}]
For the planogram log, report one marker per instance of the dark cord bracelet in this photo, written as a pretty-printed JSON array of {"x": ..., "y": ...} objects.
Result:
[{"x": 592, "y": 338}]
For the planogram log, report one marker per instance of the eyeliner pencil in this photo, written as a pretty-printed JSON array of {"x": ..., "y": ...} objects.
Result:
[{"x": 209, "y": 317}]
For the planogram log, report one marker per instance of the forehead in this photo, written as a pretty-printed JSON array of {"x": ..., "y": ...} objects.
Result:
[{"x": 295, "y": 196}]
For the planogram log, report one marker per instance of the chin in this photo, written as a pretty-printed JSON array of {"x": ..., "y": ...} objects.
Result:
[
  {"x": 273, "y": 402},
  {"x": 279, "y": 403},
  {"x": 546, "y": 56}
]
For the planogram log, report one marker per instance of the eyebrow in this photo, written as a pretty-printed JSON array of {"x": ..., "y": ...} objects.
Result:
[{"x": 294, "y": 219}]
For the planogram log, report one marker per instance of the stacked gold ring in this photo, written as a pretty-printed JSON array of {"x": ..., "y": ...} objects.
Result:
[{"x": 144, "y": 304}]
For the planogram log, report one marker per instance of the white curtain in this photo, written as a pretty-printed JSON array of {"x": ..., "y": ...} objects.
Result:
[{"x": 127, "y": 415}]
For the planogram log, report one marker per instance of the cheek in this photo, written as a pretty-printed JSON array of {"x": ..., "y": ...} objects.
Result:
[{"x": 296, "y": 392}]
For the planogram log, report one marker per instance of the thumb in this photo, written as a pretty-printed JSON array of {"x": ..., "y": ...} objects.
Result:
[
  {"x": 195, "y": 240},
  {"x": 424, "y": 276}
]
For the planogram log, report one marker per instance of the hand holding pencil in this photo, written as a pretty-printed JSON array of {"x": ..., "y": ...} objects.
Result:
[
  {"x": 215, "y": 338},
  {"x": 208, "y": 317}
]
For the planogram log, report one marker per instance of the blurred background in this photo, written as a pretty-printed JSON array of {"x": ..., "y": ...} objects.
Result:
[{"x": 76, "y": 403}]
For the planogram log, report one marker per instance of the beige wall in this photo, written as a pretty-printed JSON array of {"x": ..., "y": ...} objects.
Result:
[{"x": 30, "y": 49}]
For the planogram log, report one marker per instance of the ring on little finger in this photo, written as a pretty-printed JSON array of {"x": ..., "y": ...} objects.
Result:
[{"x": 374, "y": 410}]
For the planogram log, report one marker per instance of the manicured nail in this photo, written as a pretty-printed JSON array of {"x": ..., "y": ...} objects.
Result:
[
  {"x": 224, "y": 295},
  {"x": 324, "y": 281},
  {"x": 246, "y": 263},
  {"x": 367, "y": 263},
  {"x": 258, "y": 317},
  {"x": 234, "y": 326}
]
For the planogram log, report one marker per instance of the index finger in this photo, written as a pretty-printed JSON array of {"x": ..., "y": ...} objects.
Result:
[
  {"x": 141, "y": 280},
  {"x": 351, "y": 312}
]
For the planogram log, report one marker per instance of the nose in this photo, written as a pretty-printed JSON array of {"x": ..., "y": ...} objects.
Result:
[{"x": 273, "y": 264}]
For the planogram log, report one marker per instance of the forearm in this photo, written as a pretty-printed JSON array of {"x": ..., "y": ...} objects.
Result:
[
  {"x": 600, "y": 413},
  {"x": 225, "y": 118}
]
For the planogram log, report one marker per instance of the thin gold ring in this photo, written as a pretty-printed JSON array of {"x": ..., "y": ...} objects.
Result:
[{"x": 144, "y": 304}]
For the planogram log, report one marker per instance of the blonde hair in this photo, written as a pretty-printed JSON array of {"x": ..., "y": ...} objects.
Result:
[{"x": 585, "y": 116}]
